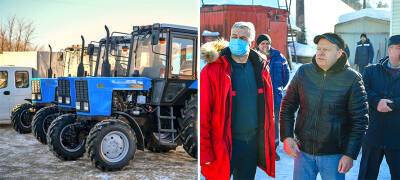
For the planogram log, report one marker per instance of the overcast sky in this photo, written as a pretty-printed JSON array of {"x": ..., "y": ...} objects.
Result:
[{"x": 61, "y": 22}]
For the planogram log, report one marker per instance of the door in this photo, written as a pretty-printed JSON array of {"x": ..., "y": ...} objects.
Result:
[
  {"x": 21, "y": 86},
  {"x": 5, "y": 93}
]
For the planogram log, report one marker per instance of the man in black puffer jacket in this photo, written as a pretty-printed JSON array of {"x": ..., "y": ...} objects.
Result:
[
  {"x": 327, "y": 133},
  {"x": 382, "y": 83},
  {"x": 364, "y": 53}
]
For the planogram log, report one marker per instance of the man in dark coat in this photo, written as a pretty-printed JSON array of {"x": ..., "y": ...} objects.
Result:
[
  {"x": 332, "y": 114},
  {"x": 382, "y": 83},
  {"x": 279, "y": 71},
  {"x": 364, "y": 53}
]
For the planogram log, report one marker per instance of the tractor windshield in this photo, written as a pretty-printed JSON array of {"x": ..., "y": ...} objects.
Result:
[
  {"x": 147, "y": 61},
  {"x": 119, "y": 59},
  {"x": 118, "y": 56}
]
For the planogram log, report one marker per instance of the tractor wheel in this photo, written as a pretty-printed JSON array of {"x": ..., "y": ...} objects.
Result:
[
  {"x": 188, "y": 125},
  {"x": 64, "y": 139},
  {"x": 154, "y": 144},
  {"x": 41, "y": 122},
  {"x": 22, "y": 118},
  {"x": 111, "y": 144},
  {"x": 14, "y": 110}
]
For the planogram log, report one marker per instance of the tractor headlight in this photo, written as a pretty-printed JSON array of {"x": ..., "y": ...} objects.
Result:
[
  {"x": 86, "y": 106},
  {"x": 38, "y": 97},
  {"x": 67, "y": 100},
  {"x": 59, "y": 99},
  {"x": 78, "y": 105},
  {"x": 33, "y": 96}
]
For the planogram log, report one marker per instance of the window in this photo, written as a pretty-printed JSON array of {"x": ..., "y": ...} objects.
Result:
[
  {"x": 182, "y": 57},
  {"x": 149, "y": 60},
  {"x": 21, "y": 79},
  {"x": 3, "y": 79}
]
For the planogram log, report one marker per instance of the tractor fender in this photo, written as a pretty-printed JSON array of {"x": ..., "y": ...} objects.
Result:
[{"x": 135, "y": 126}]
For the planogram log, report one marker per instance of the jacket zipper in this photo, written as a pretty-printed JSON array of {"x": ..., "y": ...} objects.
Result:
[{"x": 319, "y": 112}]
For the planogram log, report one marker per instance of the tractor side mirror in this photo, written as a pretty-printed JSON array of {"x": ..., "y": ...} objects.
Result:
[
  {"x": 155, "y": 34},
  {"x": 90, "y": 49}
]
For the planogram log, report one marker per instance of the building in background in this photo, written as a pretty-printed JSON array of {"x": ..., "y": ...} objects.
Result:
[
  {"x": 269, "y": 20},
  {"x": 371, "y": 21}
]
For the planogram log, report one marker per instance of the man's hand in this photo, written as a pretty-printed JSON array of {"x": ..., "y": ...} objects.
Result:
[
  {"x": 382, "y": 105},
  {"x": 290, "y": 147},
  {"x": 345, "y": 164}
]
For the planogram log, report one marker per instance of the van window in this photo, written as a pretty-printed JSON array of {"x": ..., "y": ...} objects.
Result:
[
  {"x": 3, "y": 79},
  {"x": 21, "y": 79}
]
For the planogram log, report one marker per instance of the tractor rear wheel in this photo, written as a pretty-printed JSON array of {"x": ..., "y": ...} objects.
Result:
[{"x": 188, "y": 124}]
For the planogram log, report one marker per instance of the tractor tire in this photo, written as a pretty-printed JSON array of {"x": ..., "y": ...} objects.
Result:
[
  {"x": 41, "y": 122},
  {"x": 153, "y": 143},
  {"x": 22, "y": 118},
  {"x": 64, "y": 140},
  {"x": 188, "y": 124},
  {"x": 14, "y": 110},
  {"x": 111, "y": 144}
]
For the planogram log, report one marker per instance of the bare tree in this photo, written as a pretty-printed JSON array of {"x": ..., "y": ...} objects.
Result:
[
  {"x": 11, "y": 24},
  {"x": 20, "y": 31},
  {"x": 16, "y": 35},
  {"x": 29, "y": 30}
]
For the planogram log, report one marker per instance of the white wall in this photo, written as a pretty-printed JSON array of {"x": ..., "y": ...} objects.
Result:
[{"x": 24, "y": 59}]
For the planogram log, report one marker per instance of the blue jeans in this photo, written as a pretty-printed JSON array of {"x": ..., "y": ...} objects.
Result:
[{"x": 307, "y": 166}]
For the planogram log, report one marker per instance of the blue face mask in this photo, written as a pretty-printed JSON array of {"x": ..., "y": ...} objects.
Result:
[{"x": 239, "y": 47}]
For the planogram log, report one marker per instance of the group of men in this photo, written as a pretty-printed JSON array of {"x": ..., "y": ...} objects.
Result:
[{"x": 323, "y": 117}]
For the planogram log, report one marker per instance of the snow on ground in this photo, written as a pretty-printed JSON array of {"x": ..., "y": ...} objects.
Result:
[{"x": 23, "y": 157}]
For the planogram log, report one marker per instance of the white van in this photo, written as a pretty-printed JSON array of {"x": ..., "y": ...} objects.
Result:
[{"x": 15, "y": 87}]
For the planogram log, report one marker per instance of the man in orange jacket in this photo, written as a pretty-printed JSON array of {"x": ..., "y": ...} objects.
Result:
[{"x": 236, "y": 111}]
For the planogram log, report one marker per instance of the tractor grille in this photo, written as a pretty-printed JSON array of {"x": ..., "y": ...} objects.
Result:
[
  {"x": 81, "y": 87},
  {"x": 35, "y": 87},
  {"x": 63, "y": 87}
]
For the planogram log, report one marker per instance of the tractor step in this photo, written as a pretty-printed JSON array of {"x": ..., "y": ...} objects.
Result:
[{"x": 167, "y": 116}]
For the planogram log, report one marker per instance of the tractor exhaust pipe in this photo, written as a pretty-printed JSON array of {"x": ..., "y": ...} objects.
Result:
[
  {"x": 106, "y": 68},
  {"x": 50, "y": 71},
  {"x": 81, "y": 68}
]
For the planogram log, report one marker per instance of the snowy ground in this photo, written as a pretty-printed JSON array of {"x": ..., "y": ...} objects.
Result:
[{"x": 23, "y": 157}]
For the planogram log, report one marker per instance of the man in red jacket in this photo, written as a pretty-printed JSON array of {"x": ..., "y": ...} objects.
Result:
[{"x": 236, "y": 111}]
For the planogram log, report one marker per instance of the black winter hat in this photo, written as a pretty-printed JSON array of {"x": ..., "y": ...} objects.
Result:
[
  {"x": 393, "y": 40},
  {"x": 263, "y": 37},
  {"x": 363, "y": 35},
  {"x": 331, "y": 37}
]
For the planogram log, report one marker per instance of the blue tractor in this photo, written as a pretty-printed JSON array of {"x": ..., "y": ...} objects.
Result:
[
  {"x": 154, "y": 106},
  {"x": 65, "y": 96},
  {"x": 63, "y": 141},
  {"x": 43, "y": 95}
]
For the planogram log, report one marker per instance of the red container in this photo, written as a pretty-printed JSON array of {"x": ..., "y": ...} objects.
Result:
[{"x": 267, "y": 20}]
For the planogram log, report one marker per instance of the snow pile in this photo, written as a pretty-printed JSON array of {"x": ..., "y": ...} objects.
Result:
[
  {"x": 209, "y": 33},
  {"x": 381, "y": 13},
  {"x": 302, "y": 49}
]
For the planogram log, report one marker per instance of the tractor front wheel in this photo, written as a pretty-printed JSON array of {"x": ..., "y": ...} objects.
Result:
[
  {"x": 41, "y": 122},
  {"x": 64, "y": 138},
  {"x": 111, "y": 144},
  {"x": 21, "y": 118}
]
